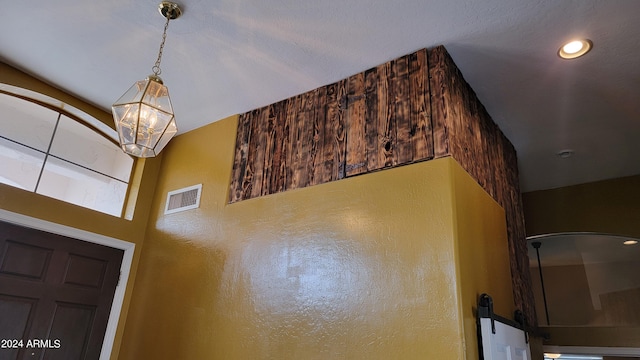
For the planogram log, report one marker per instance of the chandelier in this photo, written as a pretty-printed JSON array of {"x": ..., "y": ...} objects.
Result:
[{"x": 144, "y": 116}]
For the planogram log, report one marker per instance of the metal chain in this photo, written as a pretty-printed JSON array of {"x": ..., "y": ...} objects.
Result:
[{"x": 156, "y": 68}]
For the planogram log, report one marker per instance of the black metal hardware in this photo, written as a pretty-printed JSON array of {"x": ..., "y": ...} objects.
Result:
[
  {"x": 486, "y": 302},
  {"x": 518, "y": 316},
  {"x": 485, "y": 311},
  {"x": 536, "y": 245}
]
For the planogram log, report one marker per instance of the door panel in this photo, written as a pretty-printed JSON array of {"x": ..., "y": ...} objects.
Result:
[
  {"x": 24, "y": 260},
  {"x": 71, "y": 322},
  {"x": 85, "y": 271},
  {"x": 507, "y": 343},
  {"x": 55, "y": 293},
  {"x": 16, "y": 314}
]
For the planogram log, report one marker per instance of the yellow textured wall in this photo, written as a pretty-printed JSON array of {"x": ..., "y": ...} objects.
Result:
[
  {"x": 482, "y": 253},
  {"x": 49, "y": 209},
  {"x": 608, "y": 206},
  {"x": 359, "y": 268}
]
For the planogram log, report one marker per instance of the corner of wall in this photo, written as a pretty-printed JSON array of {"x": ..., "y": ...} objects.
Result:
[{"x": 482, "y": 253}]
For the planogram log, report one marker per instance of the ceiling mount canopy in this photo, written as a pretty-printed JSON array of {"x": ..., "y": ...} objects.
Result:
[
  {"x": 169, "y": 10},
  {"x": 143, "y": 115}
]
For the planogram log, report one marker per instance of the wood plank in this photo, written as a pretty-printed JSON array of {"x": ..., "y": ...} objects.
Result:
[
  {"x": 356, "y": 156},
  {"x": 249, "y": 178},
  {"x": 291, "y": 131},
  {"x": 299, "y": 150},
  {"x": 371, "y": 120},
  {"x": 420, "y": 112},
  {"x": 307, "y": 147},
  {"x": 340, "y": 150},
  {"x": 240, "y": 157},
  {"x": 257, "y": 151},
  {"x": 439, "y": 96},
  {"x": 386, "y": 117},
  {"x": 269, "y": 149},
  {"x": 273, "y": 149},
  {"x": 319, "y": 153},
  {"x": 484, "y": 169},
  {"x": 279, "y": 177},
  {"x": 329, "y": 166},
  {"x": 401, "y": 91},
  {"x": 453, "y": 100},
  {"x": 468, "y": 149},
  {"x": 489, "y": 132}
]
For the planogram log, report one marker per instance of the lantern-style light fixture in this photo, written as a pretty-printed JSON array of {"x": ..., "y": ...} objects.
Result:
[{"x": 143, "y": 115}]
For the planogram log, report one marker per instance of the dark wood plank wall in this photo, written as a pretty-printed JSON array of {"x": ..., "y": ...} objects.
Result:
[
  {"x": 373, "y": 120},
  {"x": 410, "y": 109},
  {"x": 464, "y": 130}
]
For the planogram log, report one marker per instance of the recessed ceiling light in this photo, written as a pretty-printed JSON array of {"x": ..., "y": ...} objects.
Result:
[
  {"x": 574, "y": 49},
  {"x": 630, "y": 242},
  {"x": 552, "y": 356}
]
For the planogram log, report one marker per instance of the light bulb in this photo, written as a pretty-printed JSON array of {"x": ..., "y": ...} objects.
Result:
[{"x": 573, "y": 47}]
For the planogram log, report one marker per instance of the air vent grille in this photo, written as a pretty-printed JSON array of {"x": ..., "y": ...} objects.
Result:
[{"x": 183, "y": 199}]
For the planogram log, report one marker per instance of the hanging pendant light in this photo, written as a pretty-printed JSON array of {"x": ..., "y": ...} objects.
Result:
[{"x": 143, "y": 115}]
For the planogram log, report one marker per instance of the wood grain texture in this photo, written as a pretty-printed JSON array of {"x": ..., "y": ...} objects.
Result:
[
  {"x": 240, "y": 157},
  {"x": 316, "y": 164},
  {"x": 386, "y": 126},
  {"x": 356, "y": 126},
  {"x": 295, "y": 133},
  {"x": 335, "y": 137},
  {"x": 439, "y": 87},
  {"x": 373, "y": 120},
  {"x": 403, "y": 146},
  {"x": 256, "y": 154},
  {"x": 421, "y": 136},
  {"x": 275, "y": 158}
]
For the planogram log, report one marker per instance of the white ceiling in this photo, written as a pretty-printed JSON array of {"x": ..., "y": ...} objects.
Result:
[{"x": 229, "y": 56}]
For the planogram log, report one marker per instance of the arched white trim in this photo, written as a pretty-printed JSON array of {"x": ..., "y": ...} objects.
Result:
[
  {"x": 125, "y": 268},
  {"x": 102, "y": 127}
]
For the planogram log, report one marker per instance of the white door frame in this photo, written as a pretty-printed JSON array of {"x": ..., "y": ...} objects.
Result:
[{"x": 125, "y": 268}]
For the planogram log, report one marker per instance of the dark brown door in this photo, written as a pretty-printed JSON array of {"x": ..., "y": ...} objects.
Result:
[{"x": 55, "y": 294}]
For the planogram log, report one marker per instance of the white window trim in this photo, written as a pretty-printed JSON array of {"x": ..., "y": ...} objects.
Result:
[
  {"x": 90, "y": 121},
  {"x": 64, "y": 107}
]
